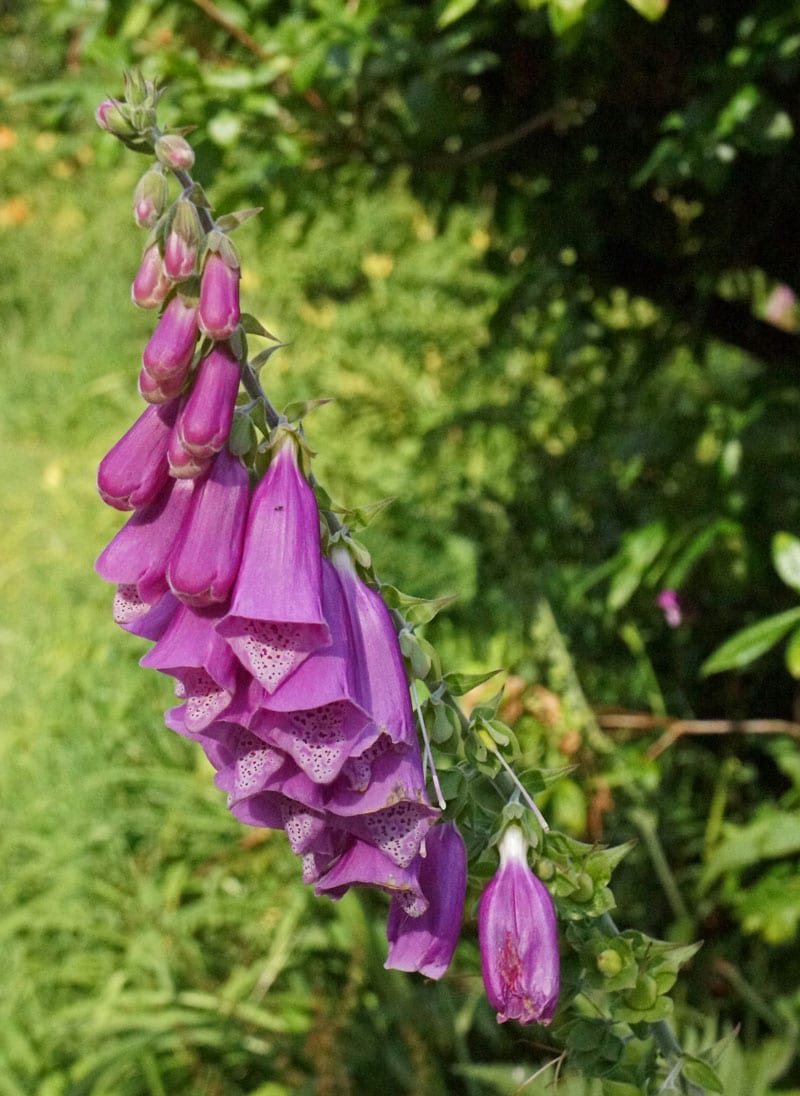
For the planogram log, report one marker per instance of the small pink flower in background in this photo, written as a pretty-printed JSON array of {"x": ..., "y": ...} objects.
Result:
[
  {"x": 518, "y": 938},
  {"x": 670, "y": 604},
  {"x": 780, "y": 308}
]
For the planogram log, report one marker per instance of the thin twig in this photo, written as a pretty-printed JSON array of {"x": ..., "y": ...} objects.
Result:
[
  {"x": 496, "y": 144},
  {"x": 241, "y": 36},
  {"x": 677, "y": 728}
]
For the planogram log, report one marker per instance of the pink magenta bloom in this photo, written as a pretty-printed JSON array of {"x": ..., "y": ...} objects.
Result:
[
  {"x": 133, "y": 472},
  {"x": 205, "y": 559},
  {"x": 275, "y": 620},
  {"x": 183, "y": 464},
  {"x": 364, "y": 865},
  {"x": 204, "y": 420},
  {"x": 670, "y": 604},
  {"x": 151, "y": 285},
  {"x": 426, "y": 943},
  {"x": 169, "y": 350},
  {"x": 138, "y": 554},
  {"x": 219, "y": 297},
  {"x": 159, "y": 391},
  {"x": 518, "y": 938},
  {"x": 381, "y": 681},
  {"x": 191, "y": 651},
  {"x": 313, "y": 715}
]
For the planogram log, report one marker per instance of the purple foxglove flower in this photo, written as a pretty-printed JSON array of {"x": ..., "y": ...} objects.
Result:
[
  {"x": 364, "y": 865},
  {"x": 240, "y": 710},
  {"x": 205, "y": 559},
  {"x": 160, "y": 391},
  {"x": 138, "y": 554},
  {"x": 313, "y": 714},
  {"x": 140, "y": 618},
  {"x": 133, "y": 472},
  {"x": 219, "y": 296},
  {"x": 206, "y": 671},
  {"x": 518, "y": 938},
  {"x": 382, "y": 681},
  {"x": 170, "y": 348},
  {"x": 204, "y": 420},
  {"x": 151, "y": 285},
  {"x": 426, "y": 943},
  {"x": 179, "y": 258},
  {"x": 275, "y": 620}
]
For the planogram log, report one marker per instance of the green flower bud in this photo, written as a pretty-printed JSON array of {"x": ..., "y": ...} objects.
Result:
[
  {"x": 643, "y": 995},
  {"x": 174, "y": 152},
  {"x": 150, "y": 197},
  {"x": 609, "y": 963}
]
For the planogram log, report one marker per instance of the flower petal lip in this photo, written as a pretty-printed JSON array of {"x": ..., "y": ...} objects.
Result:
[
  {"x": 275, "y": 618},
  {"x": 518, "y": 938}
]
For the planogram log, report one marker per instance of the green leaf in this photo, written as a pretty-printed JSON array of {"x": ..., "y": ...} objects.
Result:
[
  {"x": 454, "y": 10},
  {"x": 750, "y": 643},
  {"x": 458, "y": 684},
  {"x": 229, "y": 221},
  {"x": 650, "y": 9},
  {"x": 254, "y": 327},
  {"x": 298, "y": 409},
  {"x": 786, "y": 558},
  {"x": 792, "y": 654},
  {"x": 565, "y": 14},
  {"x": 264, "y": 356},
  {"x": 416, "y": 610},
  {"x": 700, "y": 1073},
  {"x": 359, "y": 516}
]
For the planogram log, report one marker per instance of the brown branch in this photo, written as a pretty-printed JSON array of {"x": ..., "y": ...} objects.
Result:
[
  {"x": 677, "y": 728},
  {"x": 496, "y": 144},
  {"x": 241, "y": 36}
]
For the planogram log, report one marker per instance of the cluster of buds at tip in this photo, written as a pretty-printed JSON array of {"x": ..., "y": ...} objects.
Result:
[{"x": 287, "y": 664}]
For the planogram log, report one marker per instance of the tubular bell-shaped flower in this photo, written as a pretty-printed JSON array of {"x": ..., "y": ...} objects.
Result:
[
  {"x": 275, "y": 619},
  {"x": 204, "y": 420},
  {"x": 518, "y": 938},
  {"x": 151, "y": 285},
  {"x": 135, "y": 469},
  {"x": 169, "y": 351},
  {"x": 138, "y": 554},
  {"x": 207, "y": 551},
  {"x": 219, "y": 292},
  {"x": 426, "y": 943}
]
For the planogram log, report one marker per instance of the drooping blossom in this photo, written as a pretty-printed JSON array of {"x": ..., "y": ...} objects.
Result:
[
  {"x": 275, "y": 619},
  {"x": 135, "y": 469},
  {"x": 426, "y": 943},
  {"x": 219, "y": 294},
  {"x": 204, "y": 420},
  {"x": 518, "y": 938},
  {"x": 151, "y": 285},
  {"x": 137, "y": 556},
  {"x": 205, "y": 558},
  {"x": 169, "y": 350}
]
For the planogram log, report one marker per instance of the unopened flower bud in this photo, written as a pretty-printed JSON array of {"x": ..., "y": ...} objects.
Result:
[
  {"x": 204, "y": 421},
  {"x": 185, "y": 234},
  {"x": 151, "y": 285},
  {"x": 150, "y": 198},
  {"x": 174, "y": 152},
  {"x": 182, "y": 463},
  {"x": 112, "y": 116},
  {"x": 170, "y": 348},
  {"x": 219, "y": 296}
]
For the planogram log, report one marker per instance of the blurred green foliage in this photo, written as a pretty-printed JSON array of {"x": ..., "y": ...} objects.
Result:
[{"x": 537, "y": 274}]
